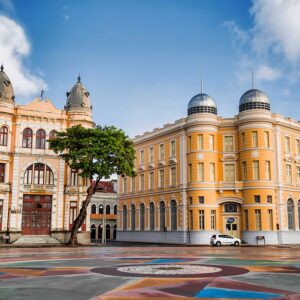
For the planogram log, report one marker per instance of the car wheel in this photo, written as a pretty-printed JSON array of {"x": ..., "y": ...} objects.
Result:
[
  {"x": 236, "y": 243},
  {"x": 218, "y": 244}
]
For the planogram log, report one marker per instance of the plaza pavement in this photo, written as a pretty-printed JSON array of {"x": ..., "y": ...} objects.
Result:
[{"x": 147, "y": 272}]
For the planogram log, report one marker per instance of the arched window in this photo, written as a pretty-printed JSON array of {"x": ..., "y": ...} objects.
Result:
[
  {"x": 115, "y": 209},
  {"x": 299, "y": 214},
  {"x": 132, "y": 217},
  {"x": 142, "y": 217},
  {"x": 124, "y": 217},
  {"x": 100, "y": 227},
  {"x": 52, "y": 135},
  {"x": 107, "y": 233},
  {"x": 101, "y": 209},
  {"x": 27, "y": 138},
  {"x": 3, "y": 136},
  {"x": 93, "y": 232},
  {"x": 173, "y": 215},
  {"x": 291, "y": 214},
  {"x": 39, "y": 174},
  {"x": 107, "y": 209},
  {"x": 115, "y": 232},
  {"x": 94, "y": 209},
  {"x": 40, "y": 139},
  {"x": 152, "y": 216},
  {"x": 162, "y": 212}
]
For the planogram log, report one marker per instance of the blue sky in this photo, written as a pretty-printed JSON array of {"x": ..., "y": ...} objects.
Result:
[{"x": 142, "y": 60}]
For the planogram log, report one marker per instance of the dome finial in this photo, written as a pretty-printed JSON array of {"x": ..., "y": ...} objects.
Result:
[
  {"x": 253, "y": 85},
  {"x": 79, "y": 78},
  {"x": 201, "y": 85},
  {"x": 1, "y": 68}
]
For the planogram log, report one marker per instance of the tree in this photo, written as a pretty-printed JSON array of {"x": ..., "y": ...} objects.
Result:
[{"x": 96, "y": 153}]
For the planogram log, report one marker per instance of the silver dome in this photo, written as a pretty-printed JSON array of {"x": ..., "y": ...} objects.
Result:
[
  {"x": 6, "y": 88},
  {"x": 202, "y": 103},
  {"x": 254, "y": 99},
  {"x": 78, "y": 97}
]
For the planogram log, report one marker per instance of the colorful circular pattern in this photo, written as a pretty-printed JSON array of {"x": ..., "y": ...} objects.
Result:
[{"x": 170, "y": 270}]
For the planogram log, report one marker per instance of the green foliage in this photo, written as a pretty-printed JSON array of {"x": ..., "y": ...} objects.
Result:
[{"x": 100, "y": 151}]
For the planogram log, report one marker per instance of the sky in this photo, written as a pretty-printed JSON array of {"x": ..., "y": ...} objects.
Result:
[{"x": 142, "y": 60}]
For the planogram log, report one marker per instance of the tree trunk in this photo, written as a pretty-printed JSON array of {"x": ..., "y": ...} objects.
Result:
[{"x": 82, "y": 213}]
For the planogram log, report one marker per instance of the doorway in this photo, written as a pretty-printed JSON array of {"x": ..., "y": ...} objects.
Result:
[
  {"x": 231, "y": 226},
  {"x": 36, "y": 214}
]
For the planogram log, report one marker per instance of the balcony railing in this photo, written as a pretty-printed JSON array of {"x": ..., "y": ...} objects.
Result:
[
  {"x": 38, "y": 187},
  {"x": 5, "y": 187},
  {"x": 234, "y": 185}
]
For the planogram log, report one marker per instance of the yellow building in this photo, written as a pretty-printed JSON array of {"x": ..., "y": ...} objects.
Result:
[
  {"x": 39, "y": 194},
  {"x": 204, "y": 174}
]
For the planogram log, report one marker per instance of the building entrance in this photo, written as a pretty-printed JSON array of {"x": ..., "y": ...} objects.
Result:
[
  {"x": 231, "y": 226},
  {"x": 36, "y": 214}
]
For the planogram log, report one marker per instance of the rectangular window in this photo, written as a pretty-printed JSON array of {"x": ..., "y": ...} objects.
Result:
[
  {"x": 2, "y": 173},
  {"x": 257, "y": 198},
  {"x": 298, "y": 177},
  {"x": 190, "y": 173},
  {"x": 200, "y": 172},
  {"x": 269, "y": 199},
  {"x": 74, "y": 177},
  {"x": 212, "y": 171},
  {"x": 191, "y": 200},
  {"x": 228, "y": 143},
  {"x": 211, "y": 142},
  {"x": 258, "y": 219},
  {"x": 173, "y": 149},
  {"x": 268, "y": 170},
  {"x": 213, "y": 219},
  {"x": 200, "y": 142},
  {"x": 161, "y": 151},
  {"x": 267, "y": 139},
  {"x": 229, "y": 173},
  {"x": 151, "y": 180},
  {"x": 201, "y": 199},
  {"x": 246, "y": 220},
  {"x": 151, "y": 154},
  {"x": 298, "y": 147},
  {"x": 191, "y": 220},
  {"x": 173, "y": 176},
  {"x": 270, "y": 218},
  {"x": 254, "y": 139},
  {"x": 244, "y": 170},
  {"x": 142, "y": 157},
  {"x": 288, "y": 170},
  {"x": 189, "y": 143},
  {"x": 132, "y": 184},
  {"x": 287, "y": 144},
  {"x": 161, "y": 178},
  {"x": 255, "y": 170},
  {"x": 124, "y": 185},
  {"x": 142, "y": 182},
  {"x": 201, "y": 220},
  {"x": 243, "y": 140}
]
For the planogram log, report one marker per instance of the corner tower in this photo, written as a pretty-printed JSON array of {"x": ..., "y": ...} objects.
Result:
[{"x": 78, "y": 105}]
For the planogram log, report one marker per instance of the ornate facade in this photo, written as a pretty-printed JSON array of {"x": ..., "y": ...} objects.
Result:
[
  {"x": 39, "y": 193},
  {"x": 204, "y": 174}
]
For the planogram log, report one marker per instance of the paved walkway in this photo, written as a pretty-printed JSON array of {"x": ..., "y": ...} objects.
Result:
[{"x": 150, "y": 272}]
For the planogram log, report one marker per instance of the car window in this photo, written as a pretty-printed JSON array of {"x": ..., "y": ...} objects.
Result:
[{"x": 228, "y": 237}]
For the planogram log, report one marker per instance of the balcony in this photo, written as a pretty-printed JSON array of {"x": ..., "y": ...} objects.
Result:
[
  {"x": 229, "y": 186},
  {"x": 5, "y": 187},
  {"x": 101, "y": 216},
  {"x": 75, "y": 189}
]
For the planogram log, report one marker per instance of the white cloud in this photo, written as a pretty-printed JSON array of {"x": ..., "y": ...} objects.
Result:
[
  {"x": 14, "y": 47},
  {"x": 66, "y": 17},
  {"x": 7, "y": 4},
  {"x": 277, "y": 27},
  {"x": 265, "y": 72}
]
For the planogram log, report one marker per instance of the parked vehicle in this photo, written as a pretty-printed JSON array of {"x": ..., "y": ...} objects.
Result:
[{"x": 224, "y": 239}]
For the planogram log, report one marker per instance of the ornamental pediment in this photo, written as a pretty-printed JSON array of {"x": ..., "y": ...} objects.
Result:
[
  {"x": 228, "y": 157},
  {"x": 151, "y": 166},
  {"x": 289, "y": 158},
  {"x": 161, "y": 164},
  {"x": 141, "y": 168},
  {"x": 172, "y": 161}
]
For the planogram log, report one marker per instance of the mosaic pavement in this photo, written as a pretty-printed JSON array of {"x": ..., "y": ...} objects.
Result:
[{"x": 150, "y": 272}]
